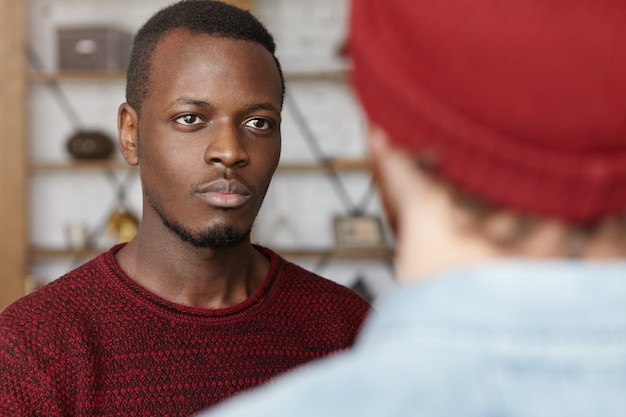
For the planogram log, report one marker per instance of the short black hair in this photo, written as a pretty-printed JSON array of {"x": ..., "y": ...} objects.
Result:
[{"x": 199, "y": 17}]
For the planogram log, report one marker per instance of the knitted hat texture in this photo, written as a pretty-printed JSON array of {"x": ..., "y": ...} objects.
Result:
[{"x": 523, "y": 102}]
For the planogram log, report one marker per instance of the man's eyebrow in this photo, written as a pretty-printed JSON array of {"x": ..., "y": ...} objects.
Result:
[
  {"x": 190, "y": 101},
  {"x": 262, "y": 106}
]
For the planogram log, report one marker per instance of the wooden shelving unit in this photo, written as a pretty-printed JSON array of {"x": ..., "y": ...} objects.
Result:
[{"x": 15, "y": 253}]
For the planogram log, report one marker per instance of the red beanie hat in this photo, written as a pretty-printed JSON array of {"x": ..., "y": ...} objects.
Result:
[{"x": 523, "y": 102}]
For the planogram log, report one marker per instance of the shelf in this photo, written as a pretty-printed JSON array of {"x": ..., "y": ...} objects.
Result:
[
  {"x": 120, "y": 75},
  {"x": 76, "y": 165},
  {"x": 328, "y": 75},
  {"x": 375, "y": 254},
  {"x": 46, "y": 254},
  {"x": 337, "y": 164},
  {"x": 77, "y": 75}
]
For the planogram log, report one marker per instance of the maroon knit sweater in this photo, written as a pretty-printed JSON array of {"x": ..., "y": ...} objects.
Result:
[{"x": 94, "y": 343}]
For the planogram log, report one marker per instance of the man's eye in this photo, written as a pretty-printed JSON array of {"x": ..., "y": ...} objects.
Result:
[
  {"x": 259, "y": 123},
  {"x": 189, "y": 120}
]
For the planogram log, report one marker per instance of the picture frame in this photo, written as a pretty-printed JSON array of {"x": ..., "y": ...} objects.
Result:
[{"x": 358, "y": 232}]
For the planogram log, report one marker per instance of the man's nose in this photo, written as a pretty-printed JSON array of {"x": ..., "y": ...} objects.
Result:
[{"x": 226, "y": 145}]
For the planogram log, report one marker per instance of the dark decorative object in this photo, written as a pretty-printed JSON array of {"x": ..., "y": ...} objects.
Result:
[
  {"x": 86, "y": 144},
  {"x": 360, "y": 287}
]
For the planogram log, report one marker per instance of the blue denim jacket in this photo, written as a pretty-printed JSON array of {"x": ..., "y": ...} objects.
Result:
[{"x": 515, "y": 338}]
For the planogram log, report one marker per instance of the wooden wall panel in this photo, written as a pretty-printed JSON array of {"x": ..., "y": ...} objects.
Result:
[{"x": 13, "y": 213}]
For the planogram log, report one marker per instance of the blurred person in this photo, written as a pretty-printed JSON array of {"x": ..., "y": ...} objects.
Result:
[
  {"x": 498, "y": 141},
  {"x": 189, "y": 312}
]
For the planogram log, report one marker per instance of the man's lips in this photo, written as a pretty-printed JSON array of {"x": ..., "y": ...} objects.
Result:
[{"x": 224, "y": 193}]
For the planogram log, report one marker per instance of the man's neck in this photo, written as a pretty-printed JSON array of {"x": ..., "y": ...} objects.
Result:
[
  {"x": 195, "y": 277},
  {"x": 432, "y": 242}
]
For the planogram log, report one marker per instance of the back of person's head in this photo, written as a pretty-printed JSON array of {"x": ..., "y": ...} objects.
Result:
[
  {"x": 518, "y": 106},
  {"x": 198, "y": 17}
]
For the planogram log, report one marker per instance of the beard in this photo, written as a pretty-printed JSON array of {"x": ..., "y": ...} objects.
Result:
[
  {"x": 219, "y": 236},
  {"x": 213, "y": 237}
]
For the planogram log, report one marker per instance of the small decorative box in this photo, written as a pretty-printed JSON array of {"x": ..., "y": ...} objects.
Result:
[{"x": 93, "y": 48}]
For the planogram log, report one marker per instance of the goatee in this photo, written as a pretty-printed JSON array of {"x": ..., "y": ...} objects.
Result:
[{"x": 214, "y": 237}]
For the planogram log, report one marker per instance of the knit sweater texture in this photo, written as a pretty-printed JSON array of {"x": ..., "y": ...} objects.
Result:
[{"x": 94, "y": 343}]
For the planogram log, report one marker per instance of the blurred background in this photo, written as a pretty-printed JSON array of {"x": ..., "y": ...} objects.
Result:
[{"x": 66, "y": 194}]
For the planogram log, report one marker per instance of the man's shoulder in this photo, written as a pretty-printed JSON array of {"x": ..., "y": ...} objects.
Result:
[
  {"x": 315, "y": 300},
  {"x": 64, "y": 294},
  {"x": 297, "y": 278}
]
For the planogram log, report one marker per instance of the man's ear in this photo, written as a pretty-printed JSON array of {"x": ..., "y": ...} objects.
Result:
[
  {"x": 127, "y": 133},
  {"x": 396, "y": 174},
  {"x": 379, "y": 154}
]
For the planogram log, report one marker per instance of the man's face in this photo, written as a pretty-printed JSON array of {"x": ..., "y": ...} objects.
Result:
[{"x": 209, "y": 136}]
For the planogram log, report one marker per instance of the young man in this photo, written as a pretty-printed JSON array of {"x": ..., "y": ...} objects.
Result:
[
  {"x": 188, "y": 312},
  {"x": 498, "y": 138}
]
